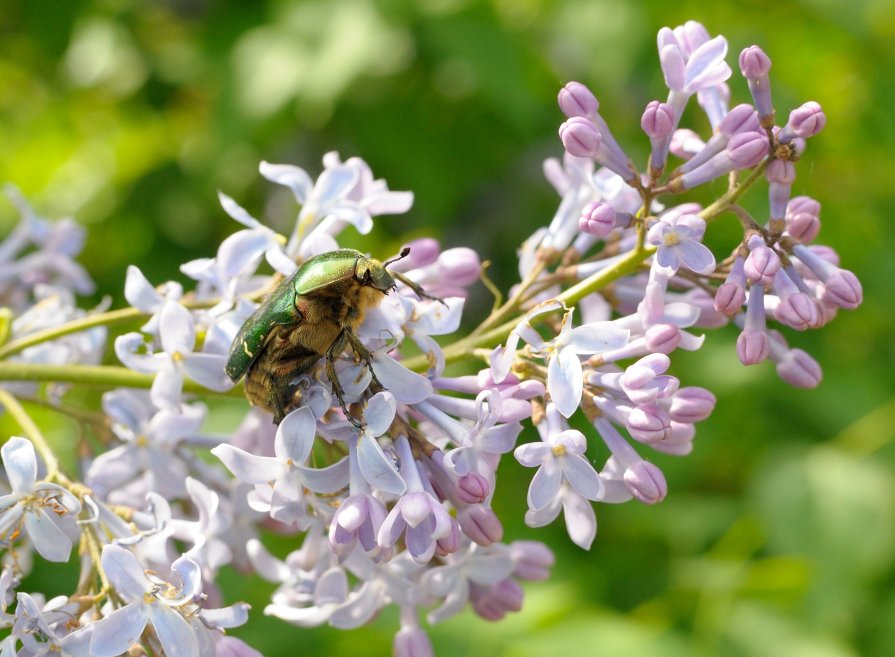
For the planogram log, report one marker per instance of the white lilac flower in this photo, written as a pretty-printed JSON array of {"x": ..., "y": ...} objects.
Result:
[
  {"x": 345, "y": 193},
  {"x": 471, "y": 566},
  {"x": 242, "y": 251},
  {"x": 141, "y": 294},
  {"x": 156, "y": 602},
  {"x": 280, "y": 480},
  {"x": 560, "y": 458},
  {"x": 39, "y": 639},
  {"x": 480, "y": 448},
  {"x": 177, "y": 333},
  {"x": 677, "y": 242},
  {"x": 147, "y": 459},
  {"x": 581, "y": 521},
  {"x": 208, "y": 549},
  {"x": 40, "y": 507}
]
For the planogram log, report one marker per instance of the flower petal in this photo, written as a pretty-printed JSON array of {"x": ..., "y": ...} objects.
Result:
[
  {"x": 378, "y": 469},
  {"x": 407, "y": 386},
  {"x": 295, "y": 435},
  {"x": 125, "y": 572},
  {"x": 20, "y": 462},
  {"x": 247, "y": 467},
  {"x": 47, "y": 538},
  {"x": 174, "y": 633},
  {"x": 380, "y": 413},
  {"x": 582, "y": 477},
  {"x": 291, "y": 176},
  {"x": 177, "y": 329},
  {"x": 544, "y": 485},
  {"x": 565, "y": 381},
  {"x": 598, "y": 336},
  {"x": 118, "y": 631}
]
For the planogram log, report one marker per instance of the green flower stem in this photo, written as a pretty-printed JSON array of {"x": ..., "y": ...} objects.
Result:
[
  {"x": 108, "y": 318},
  {"x": 108, "y": 376},
  {"x": 31, "y": 431},
  {"x": 730, "y": 197},
  {"x": 465, "y": 347}
]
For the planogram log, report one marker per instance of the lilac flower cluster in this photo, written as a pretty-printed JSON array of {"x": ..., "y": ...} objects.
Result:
[{"x": 392, "y": 506}]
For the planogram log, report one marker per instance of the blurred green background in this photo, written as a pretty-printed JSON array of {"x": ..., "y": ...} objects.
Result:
[{"x": 778, "y": 534}]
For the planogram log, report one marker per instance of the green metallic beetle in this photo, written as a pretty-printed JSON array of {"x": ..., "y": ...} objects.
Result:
[{"x": 312, "y": 314}]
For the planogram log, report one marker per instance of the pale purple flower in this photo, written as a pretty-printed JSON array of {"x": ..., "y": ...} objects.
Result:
[
  {"x": 241, "y": 252},
  {"x": 177, "y": 333},
  {"x": 280, "y": 481},
  {"x": 345, "y": 193},
  {"x": 148, "y": 601},
  {"x": 140, "y": 293},
  {"x": 677, "y": 242},
  {"x": 39, "y": 639},
  {"x": 560, "y": 458},
  {"x": 41, "y": 508},
  {"x": 581, "y": 521},
  {"x": 418, "y": 514}
]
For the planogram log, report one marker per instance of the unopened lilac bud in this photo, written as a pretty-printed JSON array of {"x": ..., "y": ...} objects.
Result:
[
  {"x": 843, "y": 289},
  {"x": 449, "y": 544},
  {"x": 575, "y": 99},
  {"x": 797, "y": 310},
  {"x": 780, "y": 174},
  {"x": 742, "y": 118},
  {"x": 803, "y": 218},
  {"x": 746, "y": 149},
  {"x": 493, "y": 602},
  {"x": 459, "y": 266},
  {"x": 411, "y": 641},
  {"x": 480, "y": 524},
  {"x": 597, "y": 219},
  {"x": 753, "y": 346},
  {"x": 648, "y": 424},
  {"x": 657, "y": 120},
  {"x": 754, "y": 65},
  {"x": 731, "y": 295},
  {"x": 691, "y": 404},
  {"x": 663, "y": 338},
  {"x": 423, "y": 251},
  {"x": 580, "y": 137},
  {"x": 473, "y": 488},
  {"x": 532, "y": 560},
  {"x": 799, "y": 369},
  {"x": 761, "y": 264},
  {"x": 646, "y": 482},
  {"x": 805, "y": 121}
]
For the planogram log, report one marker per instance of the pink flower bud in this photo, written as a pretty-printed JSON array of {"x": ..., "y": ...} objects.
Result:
[
  {"x": 754, "y": 63},
  {"x": 577, "y": 100},
  {"x": 580, "y": 137},
  {"x": 658, "y": 120},
  {"x": 781, "y": 172},
  {"x": 597, "y": 219},
  {"x": 532, "y": 560},
  {"x": 473, "y": 488},
  {"x": 692, "y": 404},
  {"x": 480, "y": 524},
  {"x": 753, "y": 346},
  {"x": 648, "y": 424},
  {"x": 803, "y": 219},
  {"x": 842, "y": 288},
  {"x": 646, "y": 482},
  {"x": 798, "y": 311},
  {"x": 423, "y": 251},
  {"x": 449, "y": 544},
  {"x": 729, "y": 298},
  {"x": 742, "y": 118},
  {"x": 662, "y": 338},
  {"x": 807, "y": 120},
  {"x": 412, "y": 642},
  {"x": 746, "y": 149},
  {"x": 762, "y": 264},
  {"x": 459, "y": 266},
  {"x": 799, "y": 369},
  {"x": 493, "y": 602}
]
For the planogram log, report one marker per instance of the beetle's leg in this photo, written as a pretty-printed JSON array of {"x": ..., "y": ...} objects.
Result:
[
  {"x": 361, "y": 350},
  {"x": 335, "y": 350},
  {"x": 417, "y": 289}
]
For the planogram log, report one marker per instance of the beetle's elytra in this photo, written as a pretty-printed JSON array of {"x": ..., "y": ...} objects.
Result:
[{"x": 311, "y": 314}]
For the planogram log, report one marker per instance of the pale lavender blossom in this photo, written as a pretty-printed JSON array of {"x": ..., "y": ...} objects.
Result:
[
  {"x": 41, "y": 508},
  {"x": 677, "y": 242}
]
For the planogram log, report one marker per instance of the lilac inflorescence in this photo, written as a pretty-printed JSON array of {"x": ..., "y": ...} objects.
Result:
[{"x": 393, "y": 500}]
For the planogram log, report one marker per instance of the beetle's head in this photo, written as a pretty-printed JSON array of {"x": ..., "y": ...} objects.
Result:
[{"x": 373, "y": 273}]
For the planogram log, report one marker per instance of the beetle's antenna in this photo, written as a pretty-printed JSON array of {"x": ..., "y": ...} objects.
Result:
[{"x": 404, "y": 253}]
